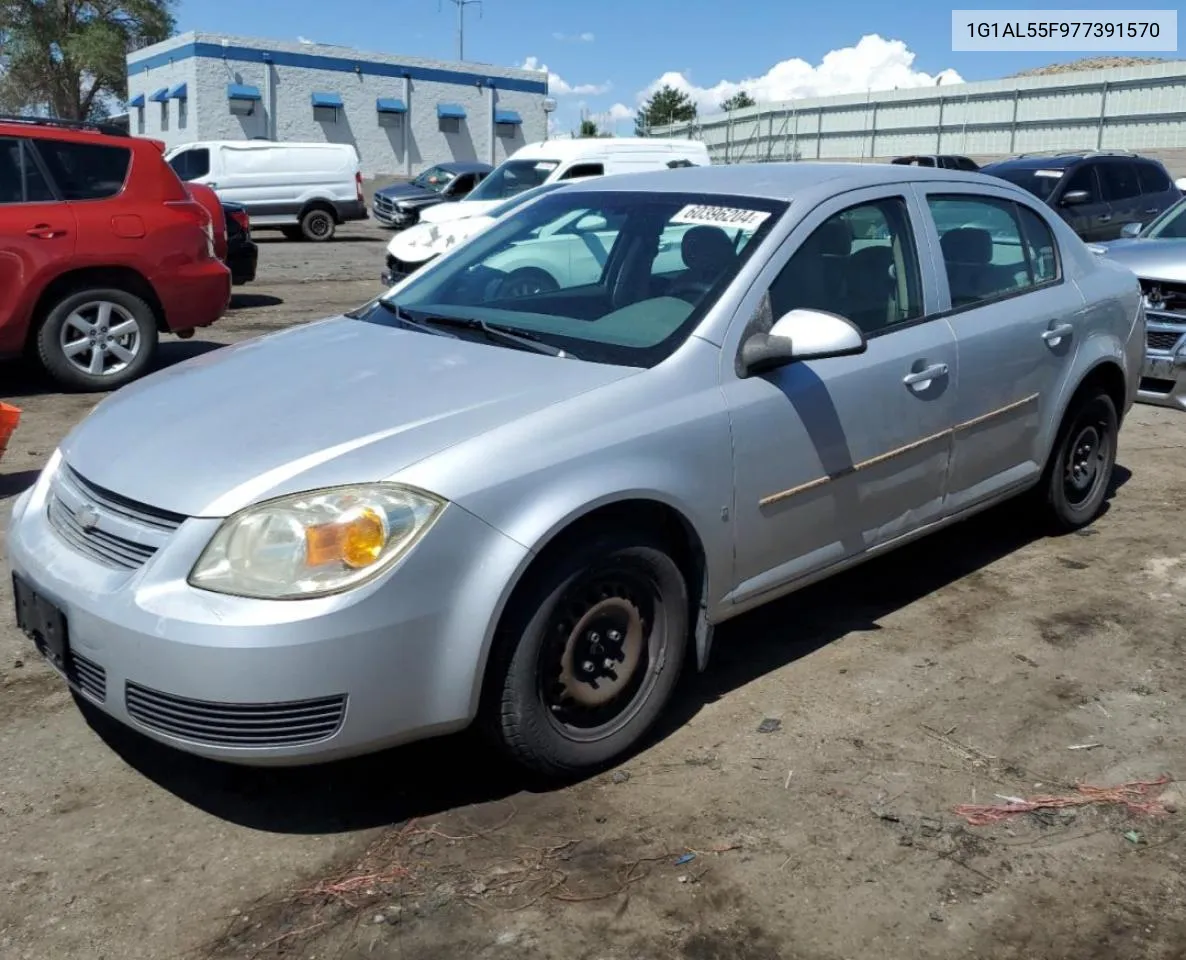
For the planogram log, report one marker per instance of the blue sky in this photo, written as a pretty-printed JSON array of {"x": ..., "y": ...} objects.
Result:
[{"x": 603, "y": 55}]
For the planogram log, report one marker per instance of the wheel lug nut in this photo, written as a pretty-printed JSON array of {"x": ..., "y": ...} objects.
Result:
[
  {"x": 594, "y": 637},
  {"x": 615, "y": 636},
  {"x": 607, "y": 663},
  {"x": 588, "y": 666}
]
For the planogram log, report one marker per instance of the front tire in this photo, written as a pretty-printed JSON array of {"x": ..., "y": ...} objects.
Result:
[
  {"x": 589, "y": 656},
  {"x": 97, "y": 340},
  {"x": 1081, "y": 464}
]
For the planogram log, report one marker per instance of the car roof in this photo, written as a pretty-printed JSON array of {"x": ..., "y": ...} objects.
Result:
[
  {"x": 598, "y": 146},
  {"x": 779, "y": 181},
  {"x": 464, "y": 166}
]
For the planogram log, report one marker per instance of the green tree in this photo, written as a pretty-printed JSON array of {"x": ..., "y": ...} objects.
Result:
[
  {"x": 738, "y": 101},
  {"x": 589, "y": 128},
  {"x": 667, "y": 105},
  {"x": 67, "y": 56}
]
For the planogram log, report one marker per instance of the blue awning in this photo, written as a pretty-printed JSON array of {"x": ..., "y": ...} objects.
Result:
[
  {"x": 507, "y": 116},
  {"x": 160, "y": 96},
  {"x": 178, "y": 92},
  {"x": 390, "y": 105},
  {"x": 137, "y": 101},
  {"x": 450, "y": 111},
  {"x": 327, "y": 100},
  {"x": 242, "y": 91}
]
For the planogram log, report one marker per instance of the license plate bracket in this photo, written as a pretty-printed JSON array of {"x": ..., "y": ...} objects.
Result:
[{"x": 43, "y": 623}]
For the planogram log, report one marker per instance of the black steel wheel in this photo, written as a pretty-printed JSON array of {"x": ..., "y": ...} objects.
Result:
[{"x": 1080, "y": 470}]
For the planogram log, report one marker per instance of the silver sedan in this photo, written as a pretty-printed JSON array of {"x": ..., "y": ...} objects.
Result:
[{"x": 524, "y": 485}]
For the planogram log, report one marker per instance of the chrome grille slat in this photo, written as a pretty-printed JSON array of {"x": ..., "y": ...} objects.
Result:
[
  {"x": 125, "y": 556},
  {"x": 122, "y": 506},
  {"x": 235, "y": 724}
]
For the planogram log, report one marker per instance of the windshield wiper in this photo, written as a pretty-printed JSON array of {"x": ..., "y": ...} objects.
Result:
[
  {"x": 494, "y": 331},
  {"x": 398, "y": 311}
]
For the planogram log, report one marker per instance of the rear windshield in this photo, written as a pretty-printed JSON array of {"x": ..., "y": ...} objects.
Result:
[
  {"x": 1039, "y": 182},
  {"x": 513, "y": 177}
]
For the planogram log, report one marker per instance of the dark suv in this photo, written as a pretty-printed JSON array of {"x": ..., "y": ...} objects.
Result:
[
  {"x": 945, "y": 161},
  {"x": 1096, "y": 192}
]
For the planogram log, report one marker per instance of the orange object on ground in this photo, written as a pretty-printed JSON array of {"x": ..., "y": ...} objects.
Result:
[
  {"x": 10, "y": 416},
  {"x": 1133, "y": 795}
]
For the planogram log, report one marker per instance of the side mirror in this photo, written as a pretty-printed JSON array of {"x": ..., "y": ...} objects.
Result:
[
  {"x": 1073, "y": 198},
  {"x": 591, "y": 224},
  {"x": 801, "y": 335},
  {"x": 1130, "y": 230}
]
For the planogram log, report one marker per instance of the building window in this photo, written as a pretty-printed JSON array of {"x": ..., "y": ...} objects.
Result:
[
  {"x": 140, "y": 120},
  {"x": 164, "y": 115},
  {"x": 182, "y": 114}
]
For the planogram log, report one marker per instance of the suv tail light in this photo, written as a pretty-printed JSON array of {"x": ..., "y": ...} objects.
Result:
[
  {"x": 358, "y": 186},
  {"x": 201, "y": 217}
]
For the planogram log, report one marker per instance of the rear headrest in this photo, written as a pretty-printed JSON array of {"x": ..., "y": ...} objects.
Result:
[
  {"x": 833, "y": 238},
  {"x": 706, "y": 249},
  {"x": 967, "y": 245}
]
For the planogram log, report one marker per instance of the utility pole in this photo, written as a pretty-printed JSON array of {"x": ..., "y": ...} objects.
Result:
[{"x": 461, "y": 5}]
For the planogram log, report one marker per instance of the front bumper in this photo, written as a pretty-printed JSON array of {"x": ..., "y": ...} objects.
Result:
[
  {"x": 272, "y": 682},
  {"x": 398, "y": 270},
  {"x": 1163, "y": 374}
]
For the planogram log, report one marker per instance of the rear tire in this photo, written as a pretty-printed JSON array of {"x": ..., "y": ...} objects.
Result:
[
  {"x": 1079, "y": 472},
  {"x": 97, "y": 340},
  {"x": 588, "y": 655},
  {"x": 317, "y": 225}
]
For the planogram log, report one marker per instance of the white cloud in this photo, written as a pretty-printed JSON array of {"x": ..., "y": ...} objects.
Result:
[
  {"x": 619, "y": 111},
  {"x": 585, "y": 37},
  {"x": 874, "y": 63},
  {"x": 559, "y": 87}
]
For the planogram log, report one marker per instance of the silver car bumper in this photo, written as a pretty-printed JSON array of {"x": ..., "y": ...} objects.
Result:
[
  {"x": 1163, "y": 375},
  {"x": 267, "y": 682}
]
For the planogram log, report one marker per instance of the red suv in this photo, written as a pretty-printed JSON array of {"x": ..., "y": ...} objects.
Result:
[{"x": 102, "y": 249}]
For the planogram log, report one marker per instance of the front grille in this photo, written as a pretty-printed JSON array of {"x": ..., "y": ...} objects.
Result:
[
  {"x": 104, "y": 526},
  {"x": 89, "y": 677},
  {"x": 236, "y": 724},
  {"x": 383, "y": 204},
  {"x": 1165, "y": 296},
  {"x": 106, "y": 548},
  {"x": 1162, "y": 339}
]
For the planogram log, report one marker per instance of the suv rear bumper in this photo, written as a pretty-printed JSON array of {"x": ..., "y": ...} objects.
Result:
[{"x": 194, "y": 295}]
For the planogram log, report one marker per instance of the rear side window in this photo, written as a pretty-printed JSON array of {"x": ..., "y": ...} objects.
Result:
[
  {"x": 1152, "y": 178},
  {"x": 20, "y": 177},
  {"x": 86, "y": 171},
  {"x": 1040, "y": 247},
  {"x": 1119, "y": 180},
  {"x": 984, "y": 252},
  {"x": 191, "y": 164},
  {"x": 584, "y": 170},
  {"x": 963, "y": 163}
]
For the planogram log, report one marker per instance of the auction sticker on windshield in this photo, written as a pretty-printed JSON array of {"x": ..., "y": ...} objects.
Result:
[{"x": 706, "y": 216}]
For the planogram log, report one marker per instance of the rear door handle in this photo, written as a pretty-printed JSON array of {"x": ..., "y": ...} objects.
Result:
[
  {"x": 925, "y": 376},
  {"x": 43, "y": 231},
  {"x": 1054, "y": 334}
]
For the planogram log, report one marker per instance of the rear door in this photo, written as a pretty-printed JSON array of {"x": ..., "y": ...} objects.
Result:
[
  {"x": 1157, "y": 193},
  {"x": 37, "y": 237},
  {"x": 1122, "y": 191}
]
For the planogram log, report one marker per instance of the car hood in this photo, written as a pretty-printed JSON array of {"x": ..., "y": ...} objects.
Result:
[
  {"x": 458, "y": 211},
  {"x": 1150, "y": 259},
  {"x": 401, "y": 192},
  {"x": 427, "y": 240},
  {"x": 336, "y": 401}
]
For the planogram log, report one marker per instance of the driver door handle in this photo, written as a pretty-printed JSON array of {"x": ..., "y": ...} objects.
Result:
[
  {"x": 926, "y": 375},
  {"x": 1054, "y": 334}
]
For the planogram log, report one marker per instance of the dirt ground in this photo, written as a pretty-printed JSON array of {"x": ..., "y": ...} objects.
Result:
[{"x": 798, "y": 802}]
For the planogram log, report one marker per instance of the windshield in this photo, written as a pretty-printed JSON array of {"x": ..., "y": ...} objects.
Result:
[
  {"x": 434, "y": 178},
  {"x": 607, "y": 276},
  {"x": 1038, "y": 182},
  {"x": 525, "y": 197},
  {"x": 512, "y": 177},
  {"x": 1171, "y": 225}
]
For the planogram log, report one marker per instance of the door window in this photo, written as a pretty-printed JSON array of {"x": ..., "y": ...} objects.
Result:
[
  {"x": 1040, "y": 246},
  {"x": 21, "y": 180},
  {"x": 984, "y": 252},
  {"x": 1084, "y": 179},
  {"x": 191, "y": 164},
  {"x": 1119, "y": 180},
  {"x": 85, "y": 171},
  {"x": 1152, "y": 177},
  {"x": 860, "y": 264},
  {"x": 461, "y": 186}
]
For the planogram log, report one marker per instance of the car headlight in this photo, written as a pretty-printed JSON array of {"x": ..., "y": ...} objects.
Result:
[{"x": 316, "y": 543}]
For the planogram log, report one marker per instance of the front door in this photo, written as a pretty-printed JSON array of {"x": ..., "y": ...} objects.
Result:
[
  {"x": 835, "y": 457},
  {"x": 1017, "y": 323},
  {"x": 37, "y": 236},
  {"x": 1091, "y": 219}
]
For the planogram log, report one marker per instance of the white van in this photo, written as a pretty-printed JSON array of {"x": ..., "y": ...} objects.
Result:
[
  {"x": 551, "y": 160},
  {"x": 304, "y": 189}
]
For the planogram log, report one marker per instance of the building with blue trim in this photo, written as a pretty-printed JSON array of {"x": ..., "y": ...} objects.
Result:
[{"x": 402, "y": 114}]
